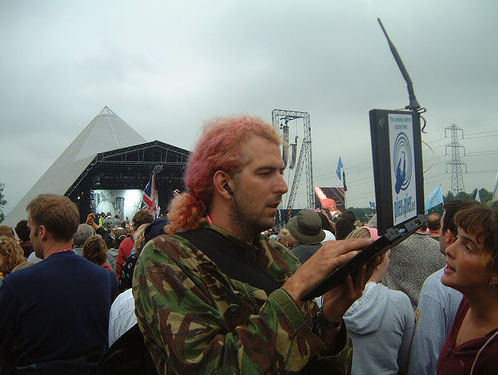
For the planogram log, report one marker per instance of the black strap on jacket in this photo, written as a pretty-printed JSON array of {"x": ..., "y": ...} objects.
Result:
[{"x": 231, "y": 258}]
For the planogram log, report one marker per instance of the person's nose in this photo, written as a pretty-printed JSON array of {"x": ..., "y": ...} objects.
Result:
[
  {"x": 450, "y": 250},
  {"x": 281, "y": 186}
]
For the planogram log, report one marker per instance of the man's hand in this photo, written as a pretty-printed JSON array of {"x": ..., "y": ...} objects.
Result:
[
  {"x": 338, "y": 300},
  {"x": 330, "y": 256}
]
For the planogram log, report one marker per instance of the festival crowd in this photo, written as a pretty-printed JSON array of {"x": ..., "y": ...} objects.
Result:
[{"x": 214, "y": 287}]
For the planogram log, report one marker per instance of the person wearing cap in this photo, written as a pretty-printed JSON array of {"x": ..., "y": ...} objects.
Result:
[{"x": 306, "y": 228}]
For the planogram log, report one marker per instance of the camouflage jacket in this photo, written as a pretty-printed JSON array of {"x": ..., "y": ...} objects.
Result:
[{"x": 197, "y": 320}]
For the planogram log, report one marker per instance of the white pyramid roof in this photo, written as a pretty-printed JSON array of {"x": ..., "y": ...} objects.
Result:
[{"x": 106, "y": 132}]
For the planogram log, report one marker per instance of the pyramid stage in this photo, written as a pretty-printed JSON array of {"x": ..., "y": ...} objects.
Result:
[{"x": 108, "y": 158}]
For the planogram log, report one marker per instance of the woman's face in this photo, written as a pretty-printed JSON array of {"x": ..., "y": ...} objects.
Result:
[{"x": 467, "y": 268}]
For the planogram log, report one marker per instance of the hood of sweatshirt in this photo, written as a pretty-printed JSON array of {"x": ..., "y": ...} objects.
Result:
[{"x": 366, "y": 313}]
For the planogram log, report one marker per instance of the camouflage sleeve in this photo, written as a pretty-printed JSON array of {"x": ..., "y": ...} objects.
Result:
[{"x": 195, "y": 321}]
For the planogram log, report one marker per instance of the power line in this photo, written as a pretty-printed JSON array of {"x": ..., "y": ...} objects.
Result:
[
  {"x": 482, "y": 136},
  {"x": 482, "y": 153},
  {"x": 483, "y": 132},
  {"x": 485, "y": 171},
  {"x": 430, "y": 178}
]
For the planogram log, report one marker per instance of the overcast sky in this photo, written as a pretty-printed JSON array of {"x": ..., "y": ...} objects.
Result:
[{"x": 167, "y": 66}]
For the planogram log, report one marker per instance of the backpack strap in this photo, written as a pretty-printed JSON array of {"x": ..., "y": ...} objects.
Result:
[{"x": 231, "y": 258}]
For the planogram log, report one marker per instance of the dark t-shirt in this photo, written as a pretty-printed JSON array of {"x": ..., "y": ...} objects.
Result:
[
  {"x": 56, "y": 309},
  {"x": 459, "y": 360},
  {"x": 27, "y": 247}
]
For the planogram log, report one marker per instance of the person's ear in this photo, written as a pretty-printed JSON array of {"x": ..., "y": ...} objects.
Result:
[
  {"x": 449, "y": 237},
  {"x": 42, "y": 231},
  {"x": 222, "y": 184}
]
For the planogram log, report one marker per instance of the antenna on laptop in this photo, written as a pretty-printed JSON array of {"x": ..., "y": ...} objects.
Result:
[{"x": 414, "y": 106}]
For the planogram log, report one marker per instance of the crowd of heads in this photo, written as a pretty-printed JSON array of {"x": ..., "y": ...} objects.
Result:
[
  {"x": 319, "y": 223},
  {"x": 59, "y": 216}
]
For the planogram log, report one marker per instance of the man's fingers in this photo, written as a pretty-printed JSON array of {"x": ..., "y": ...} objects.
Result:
[
  {"x": 342, "y": 259},
  {"x": 328, "y": 258},
  {"x": 345, "y": 246}
]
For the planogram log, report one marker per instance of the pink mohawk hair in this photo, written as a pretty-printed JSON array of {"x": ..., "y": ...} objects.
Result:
[{"x": 219, "y": 148}]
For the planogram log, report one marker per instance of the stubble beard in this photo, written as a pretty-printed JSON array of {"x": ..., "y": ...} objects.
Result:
[
  {"x": 38, "y": 250},
  {"x": 246, "y": 225}
]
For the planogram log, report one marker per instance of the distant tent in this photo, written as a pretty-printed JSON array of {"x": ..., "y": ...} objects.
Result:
[{"x": 106, "y": 132}]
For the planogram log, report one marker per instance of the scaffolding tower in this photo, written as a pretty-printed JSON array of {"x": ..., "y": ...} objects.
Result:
[
  {"x": 456, "y": 167},
  {"x": 281, "y": 119}
]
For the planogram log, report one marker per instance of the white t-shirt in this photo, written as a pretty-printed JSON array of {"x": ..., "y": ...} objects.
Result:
[
  {"x": 329, "y": 236},
  {"x": 122, "y": 316}
]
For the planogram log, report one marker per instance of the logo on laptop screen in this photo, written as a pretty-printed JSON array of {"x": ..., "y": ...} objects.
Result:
[{"x": 402, "y": 162}]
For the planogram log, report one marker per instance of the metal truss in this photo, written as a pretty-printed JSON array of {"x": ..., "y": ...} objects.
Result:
[{"x": 280, "y": 120}]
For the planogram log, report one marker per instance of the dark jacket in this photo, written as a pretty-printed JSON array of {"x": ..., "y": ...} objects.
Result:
[
  {"x": 57, "y": 309},
  {"x": 303, "y": 251}
]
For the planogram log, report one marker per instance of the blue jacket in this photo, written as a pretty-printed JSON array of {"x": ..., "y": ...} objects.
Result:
[
  {"x": 380, "y": 324},
  {"x": 57, "y": 309}
]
